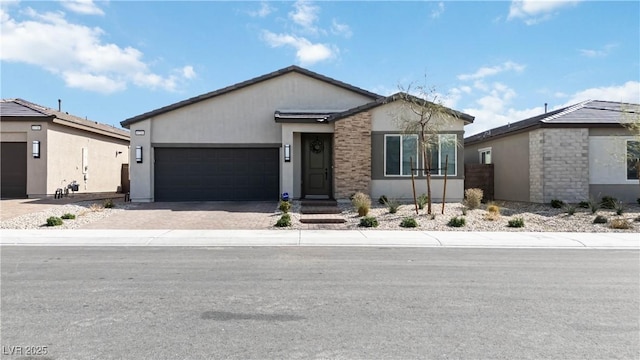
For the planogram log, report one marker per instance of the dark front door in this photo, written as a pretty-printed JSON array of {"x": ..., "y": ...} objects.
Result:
[
  {"x": 316, "y": 167},
  {"x": 13, "y": 170}
]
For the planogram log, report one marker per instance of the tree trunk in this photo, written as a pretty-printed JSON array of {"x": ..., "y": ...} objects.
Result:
[{"x": 428, "y": 169}]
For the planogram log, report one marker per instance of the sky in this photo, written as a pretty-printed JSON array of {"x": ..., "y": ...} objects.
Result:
[{"x": 499, "y": 61}]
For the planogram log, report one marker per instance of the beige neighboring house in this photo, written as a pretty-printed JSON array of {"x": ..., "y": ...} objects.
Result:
[
  {"x": 44, "y": 150},
  {"x": 290, "y": 131},
  {"x": 569, "y": 154}
]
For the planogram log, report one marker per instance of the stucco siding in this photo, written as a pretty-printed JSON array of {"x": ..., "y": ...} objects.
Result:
[
  {"x": 607, "y": 160},
  {"x": 402, "y": 189},
  {"x": 385, "y": 118},
  {"x": 246, "y": 115},
  {"x": 141, "y": 174},
  {"x": 103, "y": 161}
]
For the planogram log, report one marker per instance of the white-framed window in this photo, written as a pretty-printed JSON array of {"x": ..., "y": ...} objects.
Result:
[
  {"x": 399, "y": 151},
  {"x": 633, "y": 159},
  {"x": 445, "y": 153},
  {"x": 485, "y": 155}
]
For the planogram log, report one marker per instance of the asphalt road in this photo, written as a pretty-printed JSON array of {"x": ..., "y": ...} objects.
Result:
[{"x": 319, "y": 303}]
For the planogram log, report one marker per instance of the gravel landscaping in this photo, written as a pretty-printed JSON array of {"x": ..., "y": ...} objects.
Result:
[{"x": 537, "y": 218}]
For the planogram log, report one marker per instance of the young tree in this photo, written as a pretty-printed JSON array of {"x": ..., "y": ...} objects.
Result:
[{"x": 421, "y": 112}]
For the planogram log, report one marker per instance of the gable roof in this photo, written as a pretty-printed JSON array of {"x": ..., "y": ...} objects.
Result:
[
  {"x": 15, "y": 109},
  {"x": 225, "y": 90},
  {"x": 590, "y": 113},
  {"x": 395, "y": 97}
]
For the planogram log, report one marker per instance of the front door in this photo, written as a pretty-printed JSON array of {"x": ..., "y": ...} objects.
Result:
[{"x": 316, "y": 166}]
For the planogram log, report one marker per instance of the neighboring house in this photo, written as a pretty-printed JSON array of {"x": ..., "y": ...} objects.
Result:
[
  {"x": 44, "y": 150},
  {"x": 292, "y": 131},
  {"x": 569, "y": 154}
]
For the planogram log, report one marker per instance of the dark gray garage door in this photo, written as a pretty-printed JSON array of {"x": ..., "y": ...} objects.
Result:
[
  {"x": 213, "y": 174},
  {"x": 13, "y": 181}
]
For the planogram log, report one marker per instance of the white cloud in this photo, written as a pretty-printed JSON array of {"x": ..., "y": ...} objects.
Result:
[
  {"x": 628, "y": 92},
  {"x": 305, "y": 15},
  {"x": 439, "y": 10},
  {"x": 188, "y": 72},
  {"x": 85, "y": 7},
  {"x": 341, "y": 29},
  {"x": 77, "y": 54},
  {"x": 494, "y": 70},
  {"x": 536, "y": 11},
  {"x": 264, "y": 11},
  {"x": 598, "y": 52},
  {"x": 307, "y": 52}
]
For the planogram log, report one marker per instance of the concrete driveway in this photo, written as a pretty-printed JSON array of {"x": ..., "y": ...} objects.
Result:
[{"x": 204, "y": 215}]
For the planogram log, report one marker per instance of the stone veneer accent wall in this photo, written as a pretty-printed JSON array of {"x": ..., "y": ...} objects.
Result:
[
  {"x": 559, "y": 165},
  {"x": 352, "y": 155}
]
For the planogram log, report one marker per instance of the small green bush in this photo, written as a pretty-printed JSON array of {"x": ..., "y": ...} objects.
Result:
[
  {"x": 473, "y": 198},
  {"x": 54, "y": 221},
  {"x": 516, "y": 222},
  {"x": 608, "y": 202},
  {"x": 368, "y": 221},
  {"x": 570, "y": 209},
  {"x": 108, "y": 204},
  {"x": 457, "y": 221},
  {"x": 393, "y": 205},
  {"x": 557, "y": 204},
  {"x": 583, "y": 204},
  {"x": 422, "y": 200},
  {"x": 593, "y": 205},
  {"x": 620, "y": 224},
  {"x": 599, "y": 219},
  {"x": 68, "y": 216},
  {"x": 382, "y": 199},
  {"x": 284, "y": 221},
  {"x": 619, "y": 207},
  {"x": 409, "y": 223},
  {"x": 284, "y": 206}
]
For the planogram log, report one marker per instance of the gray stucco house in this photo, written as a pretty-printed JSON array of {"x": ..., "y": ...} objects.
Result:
[
  {"x": 570, "y": 154},
  {"x": 293, "y": 131}
]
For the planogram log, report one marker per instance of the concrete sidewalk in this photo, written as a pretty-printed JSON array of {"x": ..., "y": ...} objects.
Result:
[{"x": 377, "y": 238}]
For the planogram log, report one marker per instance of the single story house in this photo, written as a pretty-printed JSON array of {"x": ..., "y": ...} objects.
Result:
[
  {"x": 44, "y": 150},
  {"x": 290, "y": 131},
  {"x": 569, "y": 154}
]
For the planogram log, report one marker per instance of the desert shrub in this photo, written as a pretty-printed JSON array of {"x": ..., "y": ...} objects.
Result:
[
  {"x": 619, "y": 224},
  {"x": 423, "y": 199},
  {"x": 284, "y": 221},
  {"x": 599, "y": 219},
  {"x": 570, "y": 209},
  {"x": 68, "y": 216},
  {"x": 362, "y": 203},
  {"x": 493, "y": 208},
  {"x": 383, "y": 199},
  {"x": 108, "y": 204},
  {"x": 368, "y": 221},
  {"x": 464, "y": 210},
  {"x": 593, "y": 205},
  {"x": 473, "y": 198},
  {"x": 409, "y": 223},
  {"x": 583, "y": 204},
  {"x": 54, "y": 221},
  {"x": 516, "y": 222},
  {"x": 457, "y": 221},
  {"x": 557, "y": 204},
  {"x": 392, "y": 205},
  {"x": 608, "y": 202},
  {"x": 619, "y": 207},
  {"x": 284, "y": 206}
]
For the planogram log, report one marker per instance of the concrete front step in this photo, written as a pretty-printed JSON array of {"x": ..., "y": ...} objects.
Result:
[
  {"x": 315, "y": 203},
  {"x": 322, "y": 219},
  {"x": 320, "y": 210}
]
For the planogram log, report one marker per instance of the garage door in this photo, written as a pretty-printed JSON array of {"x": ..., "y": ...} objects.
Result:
[
  {"x": 13, "y": 181},
  {"x": 207, "y": 174}
]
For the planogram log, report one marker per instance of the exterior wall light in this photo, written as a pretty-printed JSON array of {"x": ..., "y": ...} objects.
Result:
[
  {"x": 36, "y": 149},
  {"x": 139, "y": 154},
  {"x": 36, "y": 127},
  {"x": 287, "y": 152},
  {"x": 139, "y": 132}
]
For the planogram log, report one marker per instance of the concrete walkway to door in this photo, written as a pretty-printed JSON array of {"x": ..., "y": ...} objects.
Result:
[{"x": 204, "y": 215}]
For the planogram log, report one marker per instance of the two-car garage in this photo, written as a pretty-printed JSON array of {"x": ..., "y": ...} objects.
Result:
[{"x": 216, "y": 174}]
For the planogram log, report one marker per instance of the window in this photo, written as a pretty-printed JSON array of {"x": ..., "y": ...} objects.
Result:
[
  {"x": 447, "y": 146},
  {"x": 398, "y": 152},
  {"x": 633, "y": 159},
  {"x": 485, "y": 155}
]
